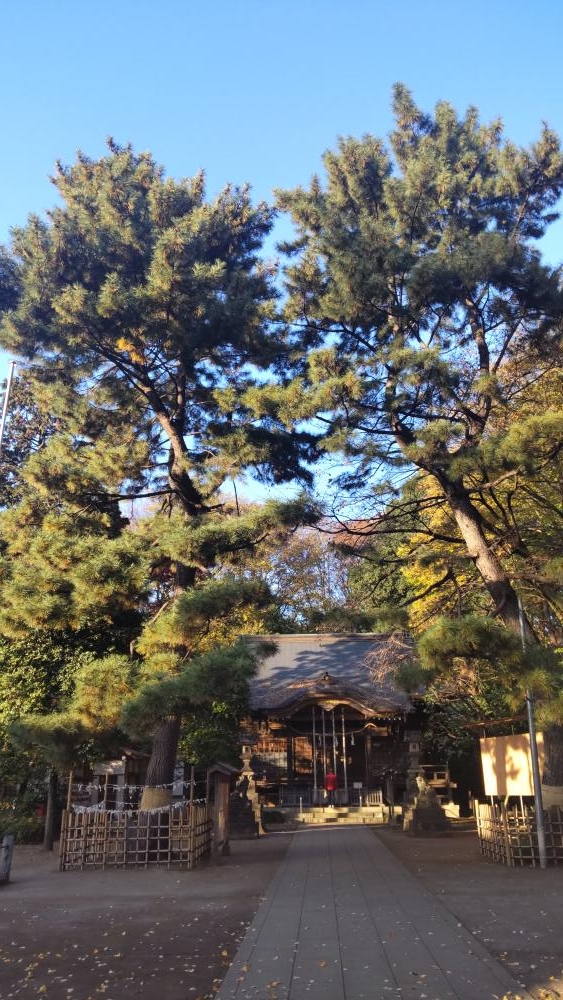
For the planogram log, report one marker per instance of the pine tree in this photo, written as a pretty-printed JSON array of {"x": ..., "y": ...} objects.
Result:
[
  {"x": 150, "y": 310},
  {"x": 27, "y": 429},
  {"x": 416, "y": 286}
]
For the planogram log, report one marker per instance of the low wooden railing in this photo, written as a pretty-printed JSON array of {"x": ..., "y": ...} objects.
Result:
[
  {"x": 350, "y": 797},
  {"x": 175, "y": 836}
]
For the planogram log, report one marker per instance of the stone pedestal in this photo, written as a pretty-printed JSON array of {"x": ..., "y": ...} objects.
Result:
[
  {"x": 424, "y": 815},
  {"x": 245, "y": 812},
  {"x": 242, "y": 823}
]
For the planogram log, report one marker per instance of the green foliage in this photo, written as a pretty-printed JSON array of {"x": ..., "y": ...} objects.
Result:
[
  {"x": 115, "y": 699},
  {"x": 221, "y": 671},
  {"x": 480, "y": 649},
  {"x": 308, "y": 580},
  {"x": 36, "y": 676},
  {"x": 25, "y": 828},
  {"x": 210, "y": 735},
  {"x": 59, "y": 737},
  {"x": 431, "y": 331},
  {"x": 100, "y": 687},
  {"x": 410, "y": 677},
  {"x": 376, "y": 581},
  {"x": 28, "y": 426},
  {"x": 417, "y": 262},
  {"x": 451, "y": 722},
  {"x": 73, "y": 575},
  {"x": 195, "y": 612},
  {"x": 471, "y": 637},
  {"x": 419, "y": 318},
  {"x": 35, "y": 673},
  {"x": 87, "y": 725},
  {"x": 151, "y": 307},
  {"x": 149, "y": 311}
]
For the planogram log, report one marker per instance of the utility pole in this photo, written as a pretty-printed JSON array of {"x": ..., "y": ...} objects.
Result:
[{"x": 540, "y": 825}]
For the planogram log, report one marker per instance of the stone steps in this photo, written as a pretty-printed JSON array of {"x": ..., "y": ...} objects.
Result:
[{"x": 341, "y": 815}]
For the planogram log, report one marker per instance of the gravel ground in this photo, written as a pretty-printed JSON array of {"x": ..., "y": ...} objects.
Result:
[
  {"x": 156, "y": 934},
  {"x": 169, "y": 935}
]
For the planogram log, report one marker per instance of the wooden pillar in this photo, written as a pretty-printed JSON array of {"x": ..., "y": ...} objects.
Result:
[
  {"x": 344, "y": 752},
  {"x": 69, "y": 791},
  {"x": 289, "y": 758},
  {"x": 333, "y": 742},
  {"x": 314, "y": 757},
  {"x": 368, "y": 760},
  {"x": 191, "y": 814},
  {"x": 49, "y": 835}
]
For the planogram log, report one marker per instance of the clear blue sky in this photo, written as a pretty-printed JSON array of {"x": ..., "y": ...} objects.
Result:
[{"x": 256, "y": 90}]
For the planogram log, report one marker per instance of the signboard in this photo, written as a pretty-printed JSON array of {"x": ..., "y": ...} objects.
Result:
[
  {"x": 178, "y": 779},
  {"x": 507, "y": 764}
]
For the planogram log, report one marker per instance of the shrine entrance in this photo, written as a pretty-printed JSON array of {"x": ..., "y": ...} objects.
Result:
[
  {"x": 293, "y": 755},
  {"x": 329, "y": 702}
]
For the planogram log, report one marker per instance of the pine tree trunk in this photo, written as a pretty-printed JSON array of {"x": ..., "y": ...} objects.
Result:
[
  {"x": 491, "y": 571},
  {"x": 505, "y": 598},
  {"x": 160, "y": 772},
  {"x": 552, "y": 778}
]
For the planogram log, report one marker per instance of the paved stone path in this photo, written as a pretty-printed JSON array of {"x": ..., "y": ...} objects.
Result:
[{"x": 344, "y": 920}]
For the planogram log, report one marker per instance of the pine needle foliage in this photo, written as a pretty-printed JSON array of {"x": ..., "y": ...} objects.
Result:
[
  {"x": 418, "y": 297},
  {"x": 140, "y": 294},
  {"x": 414, "y": 286},
  {"x": 148, "y": 313}
]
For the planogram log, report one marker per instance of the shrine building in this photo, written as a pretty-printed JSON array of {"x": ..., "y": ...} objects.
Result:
[{"x": 328, "y": 702}]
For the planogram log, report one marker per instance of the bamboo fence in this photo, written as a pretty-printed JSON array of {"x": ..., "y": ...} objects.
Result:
[
  {"x": 174, "y": 837},
  {"x": 508, "y": 834}
]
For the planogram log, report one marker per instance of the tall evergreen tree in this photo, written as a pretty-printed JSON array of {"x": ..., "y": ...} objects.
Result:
[
  {"x": 149, "y": 307},
  {"x": 415, "y": 285},
  {"x": 27, "y": 428}
]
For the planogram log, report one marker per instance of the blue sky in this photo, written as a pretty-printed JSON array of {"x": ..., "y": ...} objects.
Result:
[{"x": 256, "y": 90}]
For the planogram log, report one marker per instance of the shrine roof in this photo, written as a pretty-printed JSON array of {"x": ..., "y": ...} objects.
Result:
[{"x": 353, "y": 667}]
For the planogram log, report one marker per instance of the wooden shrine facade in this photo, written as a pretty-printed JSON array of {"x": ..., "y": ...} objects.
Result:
[{"x": 328, "y": 702}]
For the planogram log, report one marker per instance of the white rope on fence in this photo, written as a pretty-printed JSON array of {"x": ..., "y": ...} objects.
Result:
[{"x": 100, "y": 807}]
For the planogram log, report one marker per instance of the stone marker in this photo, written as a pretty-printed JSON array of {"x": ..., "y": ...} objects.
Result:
[{"x": 6, "y": 851}]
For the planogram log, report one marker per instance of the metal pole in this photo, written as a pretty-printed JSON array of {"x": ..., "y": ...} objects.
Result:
[
  {"x": 540, "y": 825},
  {"x": 9, "y": 381},
  {"x": 324, "y": 746}
]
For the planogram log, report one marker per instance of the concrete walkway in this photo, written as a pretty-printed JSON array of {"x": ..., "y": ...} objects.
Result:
[{"x": 344, "y": 920}]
